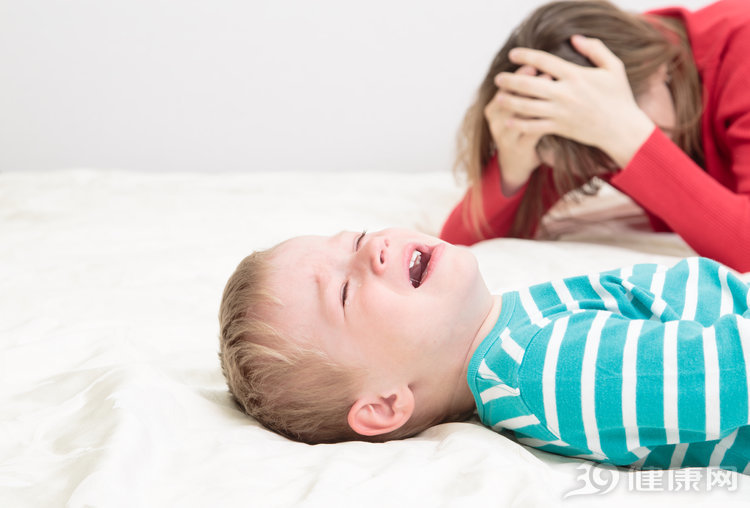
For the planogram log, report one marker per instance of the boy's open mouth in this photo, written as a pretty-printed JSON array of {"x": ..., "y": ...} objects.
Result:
[{"x": 420, "y": 258}]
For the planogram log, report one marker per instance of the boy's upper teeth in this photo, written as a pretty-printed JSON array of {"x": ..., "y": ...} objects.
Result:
[{"x": 415, "y": 257}]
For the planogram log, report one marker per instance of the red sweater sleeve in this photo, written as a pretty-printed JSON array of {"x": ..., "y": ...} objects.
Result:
[
  {"x": 499, "y": 210},
  {"x": 711, "y": 218}
]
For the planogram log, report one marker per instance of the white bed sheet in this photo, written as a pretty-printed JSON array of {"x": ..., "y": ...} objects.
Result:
[{"x": 110, "y": 389}]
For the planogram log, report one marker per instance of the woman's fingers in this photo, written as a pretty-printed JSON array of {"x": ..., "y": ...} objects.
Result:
[
  {"x": 543, "y": 61},
  {"x": 593, "y": 49},
  {"x": 596, "y": 51},
  {"x": 540, "y": 87},
  {"x": 526, "y": 70},
  {"x": 532, "y": 127},
  {"x": 526, "y": 107},
  {"x": 494, "y": 109}
]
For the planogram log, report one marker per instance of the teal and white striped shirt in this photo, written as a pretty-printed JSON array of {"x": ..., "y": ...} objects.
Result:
[{"x": 644, "y": 366}]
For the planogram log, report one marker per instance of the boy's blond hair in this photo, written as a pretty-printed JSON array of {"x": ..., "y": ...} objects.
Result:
[{"x": 294, "y": 390}]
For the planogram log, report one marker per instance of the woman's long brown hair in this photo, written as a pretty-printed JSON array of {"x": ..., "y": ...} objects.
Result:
[{"x": 642, "y": 42}]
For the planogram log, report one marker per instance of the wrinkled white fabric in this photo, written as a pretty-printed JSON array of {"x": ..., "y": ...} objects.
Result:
[{"x": 110, "y": 388}]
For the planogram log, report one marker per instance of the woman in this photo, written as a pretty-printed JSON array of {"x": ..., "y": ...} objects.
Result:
[{"x": 657, "y": 104}]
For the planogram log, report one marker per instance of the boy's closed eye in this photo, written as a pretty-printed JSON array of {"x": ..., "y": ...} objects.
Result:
[{"x": 345, "y": 287}]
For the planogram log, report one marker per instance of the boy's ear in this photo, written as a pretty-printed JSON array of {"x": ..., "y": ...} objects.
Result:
[{"x": 373, "y": 415}]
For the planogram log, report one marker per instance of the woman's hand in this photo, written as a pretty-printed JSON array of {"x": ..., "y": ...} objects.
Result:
[
  {"x": 517, "y": 156},
  {"x": 592, "y": 105}
]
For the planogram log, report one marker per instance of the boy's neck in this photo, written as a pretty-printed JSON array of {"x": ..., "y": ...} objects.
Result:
[
  {"x": 489, "y": 323},
  {"x": 465, "y": 398}
]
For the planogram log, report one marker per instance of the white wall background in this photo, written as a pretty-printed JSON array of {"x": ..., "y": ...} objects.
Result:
[{"x": 244, "y": 85}]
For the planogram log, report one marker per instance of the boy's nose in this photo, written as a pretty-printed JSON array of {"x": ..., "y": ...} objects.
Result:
[{"x": 375, "y": 254}]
